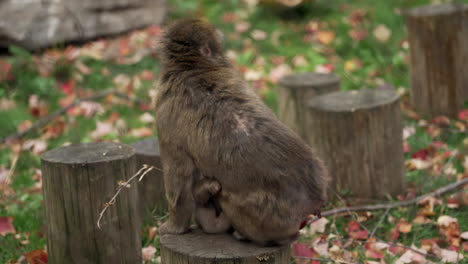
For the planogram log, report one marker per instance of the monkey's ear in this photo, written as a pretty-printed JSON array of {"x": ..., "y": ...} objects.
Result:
[{"x": 206, "y": 51}]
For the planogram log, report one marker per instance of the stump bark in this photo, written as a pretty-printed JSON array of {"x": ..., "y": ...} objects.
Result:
[
  {"x": 151, "y": 188},
  {"x": 438, "y": 38},
  {"x": 296, "y": 90},
  {"x": 78, "y": 181},
  {"x": 199, "y": 248},
  {"x": 358, "y": 134}
]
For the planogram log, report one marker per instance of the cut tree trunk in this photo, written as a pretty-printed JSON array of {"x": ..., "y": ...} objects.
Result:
[
  {"x": 78, "y": 181},
  {"x": 438, "y": 38},
  {"x": 200, "y": 248},
  {"x": 358, "y": 134},
  {"x": 296, "y": 90},
  {"x": 151, "y": 188},
  {"x": 36, "y": 24}
]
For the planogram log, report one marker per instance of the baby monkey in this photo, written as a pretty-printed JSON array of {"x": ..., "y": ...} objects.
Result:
[
  {"x": 208, "y": 214},
  {"x": 267, "y": 181}
]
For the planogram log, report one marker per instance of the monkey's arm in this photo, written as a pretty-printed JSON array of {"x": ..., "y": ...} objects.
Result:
[{"x": 178, "y": 177}]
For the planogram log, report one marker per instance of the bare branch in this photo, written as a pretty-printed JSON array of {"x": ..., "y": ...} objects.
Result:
[
  {"x": 143, "y": 171},
  {"x": 389, "y": 206}
]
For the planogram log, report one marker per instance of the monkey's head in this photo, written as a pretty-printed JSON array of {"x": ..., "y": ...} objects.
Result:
[{"x": 191, "y": 39}]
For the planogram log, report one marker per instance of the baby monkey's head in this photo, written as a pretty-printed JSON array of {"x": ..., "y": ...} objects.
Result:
[{"x": 191, "y": 39}]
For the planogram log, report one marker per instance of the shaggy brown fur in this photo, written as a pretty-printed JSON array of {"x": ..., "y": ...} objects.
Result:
[{"x": 211, "y": 123}]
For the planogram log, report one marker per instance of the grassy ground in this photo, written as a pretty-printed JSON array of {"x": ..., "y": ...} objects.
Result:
[{"x": 362, "y": 41}]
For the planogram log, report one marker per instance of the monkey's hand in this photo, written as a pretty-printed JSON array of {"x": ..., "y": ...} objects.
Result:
[{"x": 170, "y": 228}]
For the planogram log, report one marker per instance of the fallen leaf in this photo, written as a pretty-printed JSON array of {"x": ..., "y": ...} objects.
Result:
[
  {"x": 147, "y": 118},
  {"x": 6, "y": 225},
  {"x": 354, "y": 231},
  {"x": 412, "y": 257},
  {"x": 404, "y": 227},
  {"x": 37, "y": 146},
  {"x": 252, "y": 75},
  {"x": 382, "y": 33},
  {"x": 141, "y": 132},
  {"x": 324, "y": 68},
  {"x": 463, "y": 115},
  {"x": 358, "y": 34},
  {"x": 446, "y": 220},
  {"x": 304, "y": 250},
  {"x": 148, "y": 253},
  {"x": 464, "y": 235},
  {"x": 318, "y": 226},
  {"x": 279, "y": 72},
  {"x": 326, "y": 37},
  {"x": 258, "y": 34},
  {"x": 37, "y": 256},
  {"x": 102, "y": 129},
  {"x": 450, "y": 256},
  {"x": 242, "y": 26}
]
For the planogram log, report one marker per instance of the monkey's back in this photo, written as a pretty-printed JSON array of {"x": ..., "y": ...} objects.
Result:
[{"x": 267, "y": 173}]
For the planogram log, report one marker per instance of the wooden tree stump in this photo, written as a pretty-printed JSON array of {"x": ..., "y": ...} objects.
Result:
[
  {"x": 438, "y": 37},
  {"x": 358, "y": 134},
  {"x": 199, "y": 248},
  {"x": 296, "y": 90},
  {"x": 78, "y": 181},
  {"x": 151, "y": 188}
]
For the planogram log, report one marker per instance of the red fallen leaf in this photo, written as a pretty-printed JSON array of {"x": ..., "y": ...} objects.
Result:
[
  {"x": 124, "y": 48},
  {"x": 420, "y": 154},
  {"x": 6, "y": 225},
  {"x": 439, "y": 145},
  {"x": 304, "y": 250},
  {"x": 357, "y": 17},
  {"x": 37, "y": 256},
  {"x": 441, "y": 120},
  {"x": 463, "y": 115},
  {"x": 67, "y": 87},
  {"x": 5, "y": 69},
  {"x": 154, "y": 30},
  {"x": 358, "y": 34},
  {"x": 373, "y": 250},
  {"x": 354, "y": 231},
  {"x": 147, "y": 75},
  {"x": 406, "y": 147},
  {"x": 394, "y": 234}
]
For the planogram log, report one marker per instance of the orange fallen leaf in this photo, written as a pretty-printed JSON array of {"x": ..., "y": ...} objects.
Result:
[{"x": 37, "y": 256}]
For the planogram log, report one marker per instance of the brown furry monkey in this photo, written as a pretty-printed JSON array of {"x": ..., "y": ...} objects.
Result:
[{"x": 211, "y": 123}]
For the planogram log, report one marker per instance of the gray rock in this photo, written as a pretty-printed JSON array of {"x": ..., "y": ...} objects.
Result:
[{"x": 35, "y": 24}]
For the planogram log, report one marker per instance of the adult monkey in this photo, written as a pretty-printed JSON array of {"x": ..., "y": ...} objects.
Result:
[{"x": 211, "y": 123}]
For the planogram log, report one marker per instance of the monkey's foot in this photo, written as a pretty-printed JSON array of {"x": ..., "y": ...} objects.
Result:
[
  {"x": 170, "y": 228},
  {"x": 238, "y": 236}
]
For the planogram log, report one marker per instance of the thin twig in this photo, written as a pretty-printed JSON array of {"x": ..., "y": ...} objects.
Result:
[
  {"x": 380, "y": 222},
  {"x": 375, "y": 207},
  {"x": 145, "y": 169},
  {"x": 48, "y": 118}
]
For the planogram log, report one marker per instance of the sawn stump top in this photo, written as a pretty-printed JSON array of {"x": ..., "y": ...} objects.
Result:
[
  {"x": 89, "y": 153},
  {"x": 147, "y": 146},
  {"x": 350, "y": 101},
  {"x": 436, "y": 10},
  {"x": 308, "y": 79},
  {"x": 220, "y": 246}
]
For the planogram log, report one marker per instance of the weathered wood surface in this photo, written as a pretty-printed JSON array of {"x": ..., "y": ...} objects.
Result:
[
  {"x": 35, "y": 24},
  {"x": 296, "y": 90},
  {"x": 199, "y": 248},
  {"x": 151, "y": 188},
  {"x": 438, "y": 37},
  {"x": 358, "y": 134},
  {"x": 78, "y": 181}
]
